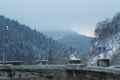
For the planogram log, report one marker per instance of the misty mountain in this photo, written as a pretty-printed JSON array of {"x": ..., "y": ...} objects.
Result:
[
  {"x": 20, "y": 42},
  {"x": 71, "y": 39}
]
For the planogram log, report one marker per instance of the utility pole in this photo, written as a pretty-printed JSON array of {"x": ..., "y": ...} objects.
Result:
[
  {"x": 49, "y": 57},
  {"x": 5, "y": 28}
]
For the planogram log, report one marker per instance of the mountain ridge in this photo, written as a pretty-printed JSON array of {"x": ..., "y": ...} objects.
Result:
[{"x": 71, "y": 39}]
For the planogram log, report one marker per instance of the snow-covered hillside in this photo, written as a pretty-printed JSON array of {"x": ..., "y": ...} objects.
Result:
[
  {"x": 108, "y": 36},
  {"x": 112, "y": 45}
]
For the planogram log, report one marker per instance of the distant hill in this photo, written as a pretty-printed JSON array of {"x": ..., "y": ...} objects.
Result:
[
  {"x": 20, "y": 42},
  {"x": 71, "y": 39}
]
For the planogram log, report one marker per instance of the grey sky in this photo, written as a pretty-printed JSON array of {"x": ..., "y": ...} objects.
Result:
[{"x": 78, "y": 15}]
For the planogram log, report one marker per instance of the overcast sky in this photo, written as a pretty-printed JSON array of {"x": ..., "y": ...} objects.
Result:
[{"x": 78, "y": 15}]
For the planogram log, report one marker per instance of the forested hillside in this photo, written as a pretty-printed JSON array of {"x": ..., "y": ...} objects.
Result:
[
  {"x": 20, "y": 42},
  {"x": 107, "y": 35}
]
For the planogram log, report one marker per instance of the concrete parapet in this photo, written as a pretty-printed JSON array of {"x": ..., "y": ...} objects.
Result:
[
  {"x": 103, "y": 62},
  {"x": 41, "y": 62},
  {"x": 74, "y": 61}
]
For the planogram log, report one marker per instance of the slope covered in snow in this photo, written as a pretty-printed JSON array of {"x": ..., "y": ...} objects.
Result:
[
  {"x": 112, "y": 45},
  {"x": 108, "y": 36}
]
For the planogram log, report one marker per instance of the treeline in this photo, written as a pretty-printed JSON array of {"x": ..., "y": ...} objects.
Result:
[{"x": 20, "y": 42}]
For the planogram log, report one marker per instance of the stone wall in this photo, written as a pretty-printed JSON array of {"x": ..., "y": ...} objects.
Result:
[
  {"x": 34, "y": 75},
  {"x": 61, "y": 75},
  {"x": 88, "y": 75}
]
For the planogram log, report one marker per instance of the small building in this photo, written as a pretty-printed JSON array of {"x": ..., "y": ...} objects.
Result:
[
  {"x": 41, "y": 62},
  {"x": 103, "y": 62},
  {"x": 74, "y": 61}
]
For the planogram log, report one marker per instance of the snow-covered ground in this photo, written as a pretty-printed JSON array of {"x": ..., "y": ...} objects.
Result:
[
  {"x": 112, "y": 44},
  {"x": 72, "y": 57}
]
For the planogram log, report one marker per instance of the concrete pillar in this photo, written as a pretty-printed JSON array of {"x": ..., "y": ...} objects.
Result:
[
  {"x": 75, "y": 61},
  {"x": 41, "y": 62},
  {"x": 103, "y": 62}
]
